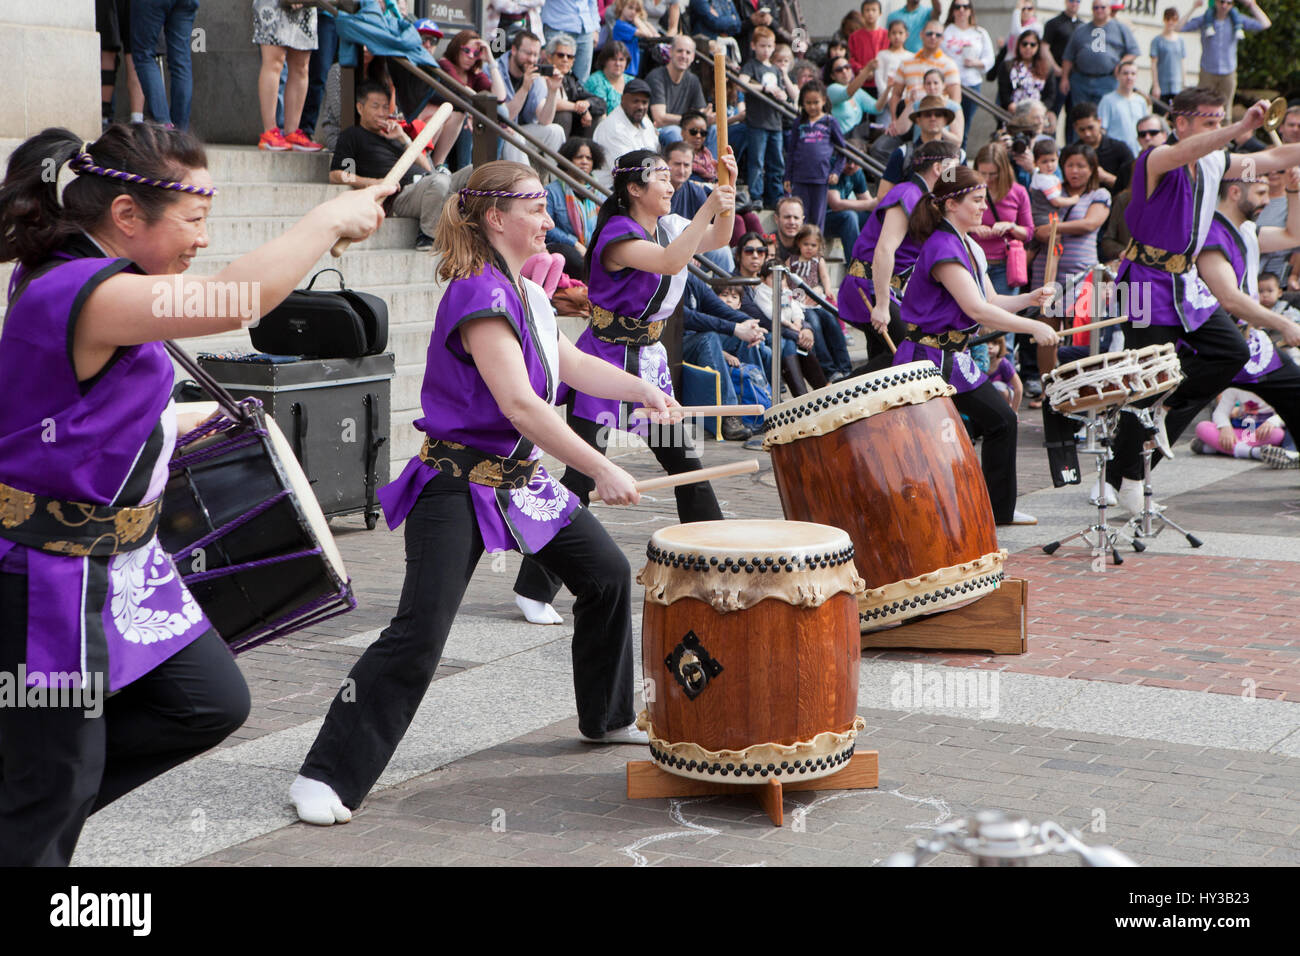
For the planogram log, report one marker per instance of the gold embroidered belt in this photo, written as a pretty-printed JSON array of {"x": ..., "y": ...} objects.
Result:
[
  {"x": 1155, "y": 258},
  {"x": 858, "y": 269},
  {"x": 72, "y": 527},
  {"x": 944, "y": 340},
  {"x": 623, "y": 329},
  {"x": 479, "y": 467}
]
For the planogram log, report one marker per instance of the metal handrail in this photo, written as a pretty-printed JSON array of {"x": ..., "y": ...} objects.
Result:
[{"x": 996, "y": 111}]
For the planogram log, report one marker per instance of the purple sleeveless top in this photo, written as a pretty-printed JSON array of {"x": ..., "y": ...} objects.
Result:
[
  {"x": 459, "y": 407},
  {"x": 1241, "y": 248},
  {"x": 1177, "y": 219},
  {"x": 931, "y": 308},
  {"x": 852, "y": 309},
  {"x": 102, "y": 442},
  {"x": 644, "y": 296}
]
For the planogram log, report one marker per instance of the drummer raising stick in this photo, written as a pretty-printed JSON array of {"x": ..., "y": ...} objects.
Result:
[
  {"x": 948, "y": 296},
  {"x": 494, "y": 366}
]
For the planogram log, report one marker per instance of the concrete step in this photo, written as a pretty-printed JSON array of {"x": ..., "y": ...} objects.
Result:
[
  {"x": 288, "y": 201},
  {"x": 231, "y": 165},
  {"x": 235, "y": 235}
]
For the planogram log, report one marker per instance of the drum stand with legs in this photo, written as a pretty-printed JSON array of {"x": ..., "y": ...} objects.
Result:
[
  {"x": 1151, "y": 522},
  {"x": 1099, "y": 537}
]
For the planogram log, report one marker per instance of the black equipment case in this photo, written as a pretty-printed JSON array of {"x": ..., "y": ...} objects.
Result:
[{"x": 334, "y": 412}]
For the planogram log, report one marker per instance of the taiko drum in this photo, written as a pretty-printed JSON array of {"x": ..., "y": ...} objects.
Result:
[
  {"x": 885, "y": 457},
  {"x": 750, "y": 649}
]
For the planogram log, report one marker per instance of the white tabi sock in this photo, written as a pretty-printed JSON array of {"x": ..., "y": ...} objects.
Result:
[
  {"x": 317, "y": 802},
  {"x": 538, "y": 612},
  {"x": 137, "y": 117}
]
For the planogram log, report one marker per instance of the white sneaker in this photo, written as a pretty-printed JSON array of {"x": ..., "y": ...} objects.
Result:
[
  {"x": 1277, "y": 457},
  {"x": 624, "y": 735},
  {"x": 1094, "y": 495}
]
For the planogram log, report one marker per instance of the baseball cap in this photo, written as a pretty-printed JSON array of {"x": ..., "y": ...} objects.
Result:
[
  {"x": 428, "y": 26},
  {"x": 636, "y": 86}
]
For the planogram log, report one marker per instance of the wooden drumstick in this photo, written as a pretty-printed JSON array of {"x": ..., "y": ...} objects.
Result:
[
  {"x": 1053, "y": 253},
  {"x": 691, "y": 477},
  {"x": 885, "y": 334},
  {"x": 1094, "y": 325},
  {"x": 405, "y": 161},
  {"x": 720, "y": 115},
  {"x": 706, "y": 411}
]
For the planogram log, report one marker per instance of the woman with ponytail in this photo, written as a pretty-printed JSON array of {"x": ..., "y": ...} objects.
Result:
[
  {"x": 87, "y": 595},
  {"x": 948, "y": 297},
  {"x": 636, "y": 267},
  {"x": 495, "y": 365}
]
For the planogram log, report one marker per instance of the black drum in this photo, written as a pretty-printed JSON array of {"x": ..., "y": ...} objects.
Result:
[{"x": 246, "y": 532}]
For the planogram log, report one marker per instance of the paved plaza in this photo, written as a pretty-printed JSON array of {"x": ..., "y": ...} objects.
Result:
[{"x": 1157, "y": 710}]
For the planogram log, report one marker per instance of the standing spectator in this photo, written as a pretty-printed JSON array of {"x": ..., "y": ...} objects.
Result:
[
  {"x": 1151, "y": 131},
  {"x": 509, "y": 17},
  {"x": 1007, "y": 216},
  {"x": 764, "y": 159},
  {"x": 931, "y": 57},
  {"x": 1121, "y": 108},
  {"x": 1219, "y": 42},
  {"x": 755, "y": 14},
  {"x": 970, "y": 47},
  {"x": 282, "y": 35},
  {"x": 577, "y": 110},
  {"x": 1023, "y": 17},
  {"x": 1274, "y": 214},
  {"x": 1058, "y": 30},
  {"x": 675, "y": 90},
  {"x": 889, "y": 61},
  {"x": 1028, "y": 75},
  {"x": 812, "y": 161},
  {"x": 530, "y": 99},
  {"x": 852, "y": 107},
  {"x": 865, "y": 44},
  {"x": 1090, "y": 58},
  {"x": 933, "y": 116},
  {"x": 1167, "y": 55},
  {"x": 113, "y": 24},
  {"x": 1114, "y": 158},
  {"x": 609, "y": 77},
  {"x": 628, "y": 128},
  {"x": 326, "y": 55},
  {"x": 579, "y": 19},
  {"x": 1081, "y": 223},
  {"x": 574, "y": 218},
  {"x": 175, "y": 19},
  {"x": 717, "y": 20},
  {"x": 915, "y": 17},
  {"x": 849, "y": 202}
]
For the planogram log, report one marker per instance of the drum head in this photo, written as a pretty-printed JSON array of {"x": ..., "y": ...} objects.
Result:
[
  {"x": 734, "y": 539},
  {"x": 310, "y": 508}
]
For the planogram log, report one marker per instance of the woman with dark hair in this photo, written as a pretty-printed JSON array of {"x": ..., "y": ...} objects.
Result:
[
  {"x": 636, "y": 267},
  {"x": 495, "y": 365},
  {"x": 88, "y": 598},
  {"x": 1079, "y": 224},
  {"x": 753, "y": 261},
  {"x": 971, "y": 48},
  {"x": 948, "y": 297},
  {"x": 573, "y": 216},
  {"x": 608, "y": 78},
  {"x": 1029, "y": 73}
]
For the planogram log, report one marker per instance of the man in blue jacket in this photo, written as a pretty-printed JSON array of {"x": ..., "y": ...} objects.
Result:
[{"x": 716, "y": 336}]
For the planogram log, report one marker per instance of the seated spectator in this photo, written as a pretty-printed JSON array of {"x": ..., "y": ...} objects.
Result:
[
  {"x": 717, "y": 20},
  {"x": 366, "y": 152},
  {"x": 531, "y": 99},
  {"x": 849, "y": 202},
  {"x": 889, "y": 62},
  {"x": 665, "y": 14},
  {"x": 1274, "y": 214},
  {"x": 689, "y": 196},
  {"x": 1244, "y": 426},
  {"x": 468, "y": 60},
  {"x": 608, "y": 78},
  {"x": 866, "y": 42},
  {"x": 675, "y": 90},
  {"x": 1270, "y": 297},
  {"x": 796, "y": 359},
  {"x": 718, "y": 336},
  {"x": 574, "y": 217},
  {"x": 1029, "y": 74},
  {"x": 852, "y": 107},
  {"x": 1113, "y": 157},
  {"x": 931, "y": 88},
  {"x": 817, "y": 331},
  {"x": 1121, "y": 108},
  {"x": 836, "y": 49},
  {"x": 755, "y": 14},
  {"x": 628, "y": 128},
  {"x": 630, "y": 23},
  {"x": 695, "y": 131},
  {"x": 1002, "y": 373},
  {"x": 932, "y": 115},
  {"x": 789, "y": 220},
  {"x": 577, "y": 110},
  {"x": 810, "y": 264}
]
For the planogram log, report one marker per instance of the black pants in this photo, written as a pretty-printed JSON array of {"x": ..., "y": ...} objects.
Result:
[
  {"x": 1281, "y": 389},
  {"x": 991, "y": 414},
  {"x": 1212, "y": 355},
  {"x": 674, "y": 450},
  {"x": 58, "y": 766},
  {"x": 879, "y": 354},
  {"x": 374, "y": 708}
]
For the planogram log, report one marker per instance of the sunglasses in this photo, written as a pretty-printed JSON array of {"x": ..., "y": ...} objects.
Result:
[
  {"x": 693, "y": 132},
  {"x": 561, "y": 56},
  {"x": 932, "y": 34},
  {"x": 966, "y": 6},
  {"x": 842, "y": 66},
  {"x": 754, "y": 250},
  {"x": 1030, "y": 43},
  {"x": 1143, "y": 133}
]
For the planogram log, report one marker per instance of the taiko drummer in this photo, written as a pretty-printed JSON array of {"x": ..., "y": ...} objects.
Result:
[
  {"x": 947, "y": 298},
  {"x": 87, "y": 595}
]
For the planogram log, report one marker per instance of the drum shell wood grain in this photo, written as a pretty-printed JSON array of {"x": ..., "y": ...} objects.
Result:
[
  {"x": 905, "y": 484},
  {"x": 788, "y": 673}
]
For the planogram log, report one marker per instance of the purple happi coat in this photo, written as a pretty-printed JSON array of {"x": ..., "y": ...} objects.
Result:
[
  {"x": 103, "y": 442},
  {"x": 852, "y": 308},
  {"x": 641, "y": 298},
  {"x": 930, "y": 307},
  {"x": 1175, "y": 220},
  {"x": 1241, "y": 248},
  {"x": 459, "y": 407}
]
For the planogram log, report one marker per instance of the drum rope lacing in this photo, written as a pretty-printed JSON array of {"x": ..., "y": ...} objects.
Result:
[{"x": 1061, "y": 390}]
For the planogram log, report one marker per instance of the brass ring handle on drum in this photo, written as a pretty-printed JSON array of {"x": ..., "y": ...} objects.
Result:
[{"x": 692, "y": 673}]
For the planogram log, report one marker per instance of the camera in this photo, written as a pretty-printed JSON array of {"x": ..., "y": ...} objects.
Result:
[
  {"x": 1019, "y": 143},
  {"x": 546, "y": 69}
]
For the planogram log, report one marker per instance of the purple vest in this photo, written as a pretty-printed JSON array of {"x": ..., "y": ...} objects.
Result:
[
  {"x": 1241, "y": 248},
  {"x": 104, "y": 442},
  {"x": 644, "y": 296},
  {"x": 459, "y": 407},
  {"x": 852, "y": 308},
  {"x": 930, "y": 307},
  {"x": 1176, "y": 219}
]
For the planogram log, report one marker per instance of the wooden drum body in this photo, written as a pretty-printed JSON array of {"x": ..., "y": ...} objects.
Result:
[
  {"x": 1092, "y": 383},
  {"x": 886, "y": 458},
  {"x": 750, "y": 649},
  {"x": 1159, "y": 371}
]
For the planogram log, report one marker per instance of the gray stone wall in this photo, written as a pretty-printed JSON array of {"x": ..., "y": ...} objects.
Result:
[{"x": 49, "y": 67}]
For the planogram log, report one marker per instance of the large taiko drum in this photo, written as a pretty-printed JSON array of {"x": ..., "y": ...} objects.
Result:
[
  {"x": 885, "y": 457},
  {"x": 750, "y": 649}
]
